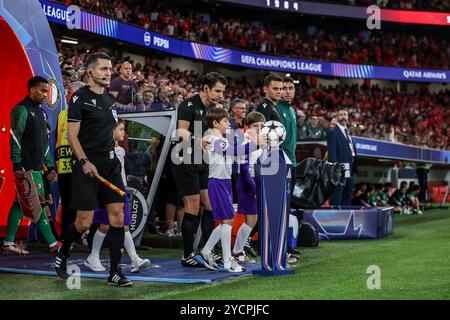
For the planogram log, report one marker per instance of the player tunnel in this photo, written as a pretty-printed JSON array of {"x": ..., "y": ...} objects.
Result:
[{"x": 15, "y": 71}]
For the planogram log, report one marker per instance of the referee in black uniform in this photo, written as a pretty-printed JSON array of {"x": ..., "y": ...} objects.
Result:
[
  {"x": 91, "y": 120},
  {"x": 273, "y": 87},
  {"x": 191, "y": 175}
]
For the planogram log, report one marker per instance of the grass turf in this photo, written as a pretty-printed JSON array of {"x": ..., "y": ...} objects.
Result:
[{"x": 413, "y": 262}]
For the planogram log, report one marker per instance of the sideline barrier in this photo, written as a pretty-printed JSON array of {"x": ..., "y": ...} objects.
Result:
[{"x": 351, "y": 222}]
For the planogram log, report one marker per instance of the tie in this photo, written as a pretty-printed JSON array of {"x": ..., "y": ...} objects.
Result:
[{"x": 347, "y": 135}]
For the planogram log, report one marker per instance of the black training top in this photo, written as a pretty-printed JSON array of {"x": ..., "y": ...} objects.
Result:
[
  {"x": 97, "y": 116},
  {"x": 268, "y": 109},
  {"x": 192, "y": 110}
]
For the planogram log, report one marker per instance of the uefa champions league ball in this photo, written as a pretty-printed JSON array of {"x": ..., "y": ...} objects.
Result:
[{"x": 275, "y": 133}]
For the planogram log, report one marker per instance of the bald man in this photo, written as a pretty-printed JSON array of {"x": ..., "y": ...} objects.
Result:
[{"x": 124, "y": 88}]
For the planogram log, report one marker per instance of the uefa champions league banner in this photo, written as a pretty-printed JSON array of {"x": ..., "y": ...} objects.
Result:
[
  {"x": 107, "y": 27},
  {"x": 390, "y": 150}
]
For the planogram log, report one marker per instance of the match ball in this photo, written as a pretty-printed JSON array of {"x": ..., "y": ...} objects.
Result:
[{"x": 275, "y": 133}]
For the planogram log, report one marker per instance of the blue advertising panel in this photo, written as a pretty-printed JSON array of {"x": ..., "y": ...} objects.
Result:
[
  {"x": 107, "y": 27},
  {"x": 390, "y": 150}
]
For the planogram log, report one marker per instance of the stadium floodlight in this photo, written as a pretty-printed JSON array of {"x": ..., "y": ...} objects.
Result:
[{"x": 69, "y": 40}]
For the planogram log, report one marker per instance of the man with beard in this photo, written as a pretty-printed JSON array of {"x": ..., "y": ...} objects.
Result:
[{"x": 341, "y": 149}]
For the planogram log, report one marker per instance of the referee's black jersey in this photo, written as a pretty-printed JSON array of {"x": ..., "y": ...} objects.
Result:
[
  {"x": 267, "y": 108},
  {"x": 97, "y": 116},
  {"x": 193, "y": 110}
]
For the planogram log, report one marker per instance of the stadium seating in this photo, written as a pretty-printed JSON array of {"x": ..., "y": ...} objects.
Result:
[{"x": 321, "y": 41}]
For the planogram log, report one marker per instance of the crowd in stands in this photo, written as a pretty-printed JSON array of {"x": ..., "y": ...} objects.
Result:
[
  {"x": 428, "y": 5},
  {"x": 420, "y": 118},
  {"x": 326, "y": 43},
  {"x": 405, "y": 199}
]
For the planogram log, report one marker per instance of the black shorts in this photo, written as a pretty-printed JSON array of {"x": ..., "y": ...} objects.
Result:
[
  {"x": 89, "y": 193},
  {"x": 169, "y": 187},
  {"x": 190, "y": 178}
]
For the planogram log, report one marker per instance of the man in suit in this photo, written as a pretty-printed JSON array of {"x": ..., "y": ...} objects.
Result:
[{"x": 341, "y": 149}]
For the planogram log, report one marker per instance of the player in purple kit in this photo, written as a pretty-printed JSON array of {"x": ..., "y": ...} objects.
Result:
[
  {"x": 101, "y": 217},
  {"x": 221, "y": 154},
  {"x": 246, "y": 187}
]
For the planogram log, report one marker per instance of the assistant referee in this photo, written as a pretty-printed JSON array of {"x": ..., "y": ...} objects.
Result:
[
  {"x": 91, "y": 121},
  {"x": 191, "y": 175}
]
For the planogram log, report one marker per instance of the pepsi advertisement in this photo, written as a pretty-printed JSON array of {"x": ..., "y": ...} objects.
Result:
[{"x": 107, "y": 27}]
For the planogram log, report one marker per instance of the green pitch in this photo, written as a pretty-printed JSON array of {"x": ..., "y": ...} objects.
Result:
[{"x": 413, "y": 265}]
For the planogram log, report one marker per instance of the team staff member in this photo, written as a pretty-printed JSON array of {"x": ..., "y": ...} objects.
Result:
[
  {"x": 342, "y": 149},
  {"x": 91, "y": 121},
  {"x": 29, "y": 151},
  {"x": 289, "y": 119},
  {"x": 273, "y": 87},
  {"x": 191, "y": 178}
]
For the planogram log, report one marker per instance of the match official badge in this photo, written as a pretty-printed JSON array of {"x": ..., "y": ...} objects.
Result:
[{"x": 53, "y": 94}]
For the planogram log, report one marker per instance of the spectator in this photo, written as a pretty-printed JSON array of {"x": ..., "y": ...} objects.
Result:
[
  {"x": 315, "y": 130},
  {"x": 124, "y": 89},
  {"x": 302, "y": 127},
  {"x": 66, "y": 75},
  {"x": 238, "y": 110},
  {"x": 396, "y": 47},
  {"x": 419, "y": 118},
  {"x": 162, "y": 101},
  {"x": 147, "y": 100}
]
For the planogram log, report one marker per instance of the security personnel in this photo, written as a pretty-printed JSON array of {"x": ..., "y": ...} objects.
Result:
[
  {"x": 91, "y": 121},
  {"x": 273, "y": 86},
  {"x": 191, "y": 172}
]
